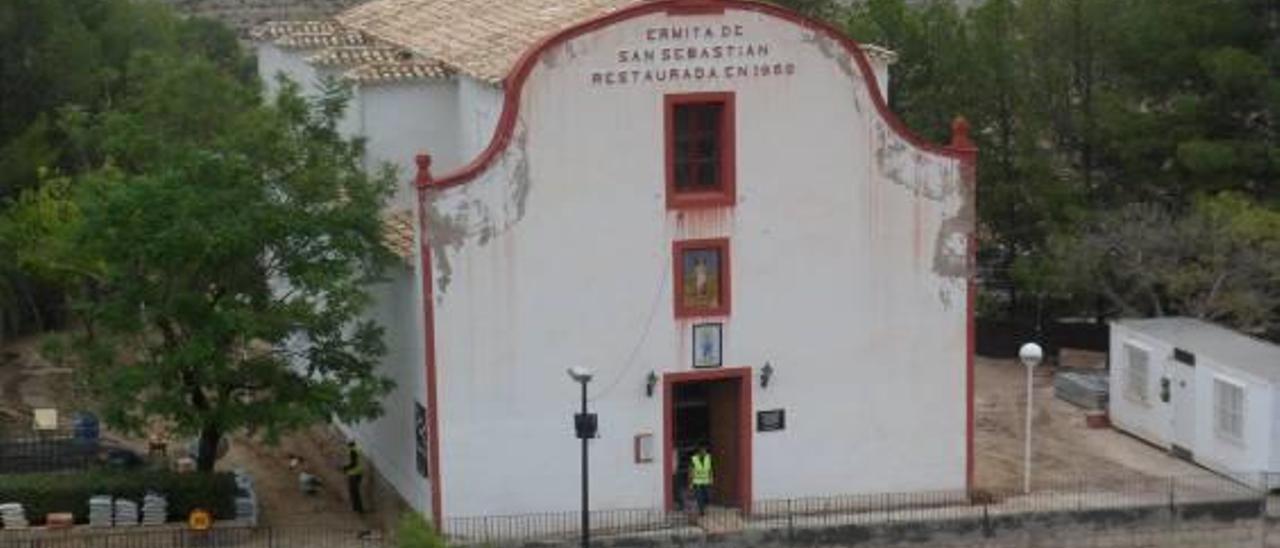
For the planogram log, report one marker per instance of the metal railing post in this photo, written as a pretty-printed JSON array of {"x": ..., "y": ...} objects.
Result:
[{"x": 791, "y": 522}]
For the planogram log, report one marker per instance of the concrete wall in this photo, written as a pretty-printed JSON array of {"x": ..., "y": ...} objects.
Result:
[
  {"x": 848, "y": 249},
  {"x": 1227, "y": 524}
]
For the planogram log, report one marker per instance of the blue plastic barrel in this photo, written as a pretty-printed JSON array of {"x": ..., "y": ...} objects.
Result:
[{"x": 84, "y": 426}]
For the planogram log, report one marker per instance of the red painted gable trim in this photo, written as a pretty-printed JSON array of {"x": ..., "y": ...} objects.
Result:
[
  {"x": 513, "y": 84},
  {"x": 436, "y": 483},
  {"x": 962, "y": 147}
]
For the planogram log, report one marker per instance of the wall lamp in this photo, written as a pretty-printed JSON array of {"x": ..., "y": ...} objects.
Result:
[
  {"x": 766, "y": 373},
  {"x": 650, "y": 383}
]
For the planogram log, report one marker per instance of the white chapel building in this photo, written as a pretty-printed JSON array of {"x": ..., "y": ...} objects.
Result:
[{"x": 705, "y": 202}]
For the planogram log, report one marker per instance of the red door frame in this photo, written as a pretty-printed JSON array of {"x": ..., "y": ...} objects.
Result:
[{"x": 669, "y": 382}]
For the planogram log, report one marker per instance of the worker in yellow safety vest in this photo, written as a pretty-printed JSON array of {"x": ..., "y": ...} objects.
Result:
[
  {"x": 700, "y": 477},
  {"x": 355, "y": 476}
]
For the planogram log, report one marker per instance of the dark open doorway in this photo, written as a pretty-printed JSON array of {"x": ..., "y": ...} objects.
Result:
[{"x": 713, "y": 408}]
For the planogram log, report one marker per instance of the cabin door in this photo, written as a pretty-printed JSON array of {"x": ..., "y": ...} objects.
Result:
[{"x": 1182, "y": 396}]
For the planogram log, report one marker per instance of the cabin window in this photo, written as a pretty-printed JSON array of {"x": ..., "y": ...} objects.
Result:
[
  {"x": 700, "y": 150},
  {"x": 1228, "y": 410},
  {"x": 1137, "y": 371}
]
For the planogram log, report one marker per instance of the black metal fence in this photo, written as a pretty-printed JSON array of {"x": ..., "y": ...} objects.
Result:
[
  {"x": 176, "y": 537},
  {"x": 1203, "y": 510},
  {"x": 52, "y": 452},
  {"x": 1054, "y": 501}
]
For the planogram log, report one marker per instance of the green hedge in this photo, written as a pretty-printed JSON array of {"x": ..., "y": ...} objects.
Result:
[{"x": 42, "y": 494}]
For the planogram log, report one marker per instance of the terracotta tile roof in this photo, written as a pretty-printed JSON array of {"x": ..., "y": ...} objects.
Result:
[
  {"x": 352, "y": 56},
  {"x": 322, "y": 40},
  {"x": 404, "y": 71},
  {"x": 881, "y": 53},
  {"x": 397, "y": 234},
  {"x": 482, "y": 38},
  {"x": 274, "y": 30}
]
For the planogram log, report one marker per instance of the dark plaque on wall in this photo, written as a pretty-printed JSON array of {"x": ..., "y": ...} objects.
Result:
[
  {"x": 771, "y": 420},
  {"x": 420, "y": 438},
  {"x": 1184, "y": 356}
]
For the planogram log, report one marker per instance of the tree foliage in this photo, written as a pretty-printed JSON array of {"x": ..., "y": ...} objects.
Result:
[
  {"x": 73, "y": 57},
  {"x": 1088, "y": 113},
  {"x": 1219, "y": 262},
  {"x": 215, "y": 249}
]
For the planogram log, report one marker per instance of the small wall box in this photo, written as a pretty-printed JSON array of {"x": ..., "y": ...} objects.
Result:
[{"x": 644, "y": 448}]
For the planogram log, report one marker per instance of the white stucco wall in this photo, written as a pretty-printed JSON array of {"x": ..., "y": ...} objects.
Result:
[
  {"x": 403, "y": 120},
  {"x": 399, "y": 120},
  {"x": 388, "y": 442},
  {"x": 479, "y": 106},
  {"x": 848, "y": 274}
]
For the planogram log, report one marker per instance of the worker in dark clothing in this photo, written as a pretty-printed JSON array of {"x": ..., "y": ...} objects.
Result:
[{"x": 355, "y": 476}]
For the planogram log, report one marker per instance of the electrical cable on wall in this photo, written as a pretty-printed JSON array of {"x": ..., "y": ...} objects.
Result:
[{"x": 644, "y": 336}]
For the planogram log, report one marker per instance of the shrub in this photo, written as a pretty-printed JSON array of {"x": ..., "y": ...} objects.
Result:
[
  {"x": 42, "y": 494},
  {"x": 414, "y": 532}
]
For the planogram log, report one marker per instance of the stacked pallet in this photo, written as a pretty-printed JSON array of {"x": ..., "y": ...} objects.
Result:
[
  {"x": 1086, "y": 389},
  {"x": 13, "y": 516},
  {"x": 155, "y": 509},
  {"x": 126, "y": 513},
  {"x": 101, "y": 509},
  {"x": 246, "y": 498}
]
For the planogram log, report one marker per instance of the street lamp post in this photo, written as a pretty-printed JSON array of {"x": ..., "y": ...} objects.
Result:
[
  {"x": 585, "y": 426},
  {"x": 1030, "y": 354}
]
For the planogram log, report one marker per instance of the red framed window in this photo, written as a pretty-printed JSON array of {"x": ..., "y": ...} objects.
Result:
[
  {"x": 702, "y": 277},
  {"x": 700, "y": 150}
]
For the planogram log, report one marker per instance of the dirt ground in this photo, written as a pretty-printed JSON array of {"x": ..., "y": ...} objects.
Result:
[
  {"x": 1064, "y": 448},
  {"x": 28, "y": 381}
]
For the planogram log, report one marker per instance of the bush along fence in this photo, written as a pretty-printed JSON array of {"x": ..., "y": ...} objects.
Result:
[
  {"x": 42, "y": 494},
  {"x": 890, "y": 518}
]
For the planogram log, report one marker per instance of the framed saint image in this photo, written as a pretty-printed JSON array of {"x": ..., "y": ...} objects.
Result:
[
  {"x": 708, "y": 340},
  {"x": 701, "y": 278}
]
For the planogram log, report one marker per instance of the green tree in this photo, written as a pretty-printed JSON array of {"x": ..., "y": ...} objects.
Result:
[
  {"x": 74, "y": 55},
  {"x": 1219, "y": 261},
  {"x": 219, "y": 257}
]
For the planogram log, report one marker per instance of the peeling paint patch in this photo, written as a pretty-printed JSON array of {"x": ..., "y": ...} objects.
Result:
[
  {"x": 910, "y": 168},
  {"x": 479, "y": 213},
  {"x": 833, "y": 50},
  {"x": 951, "y": 256},
  {"x": 445, "y": 232}
]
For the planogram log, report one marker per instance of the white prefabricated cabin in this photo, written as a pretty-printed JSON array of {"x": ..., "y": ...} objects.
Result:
[
  {"x": 706, "y": 202},
  {"x": 1199, "y": 390}
]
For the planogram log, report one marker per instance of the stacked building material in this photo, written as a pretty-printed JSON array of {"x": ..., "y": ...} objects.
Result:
[
  {"x": 126, "y": 513},
  {"x": 246, "y": 498},
  {"x": 1086, "y": 389},
  {"x": 100, "y": 511},
  {"x": 155, "y": 509},
  {"x": 13, "y": 516}
]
